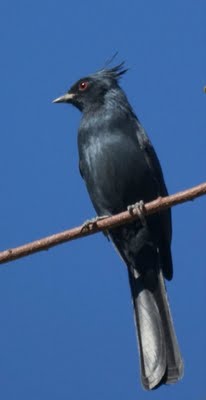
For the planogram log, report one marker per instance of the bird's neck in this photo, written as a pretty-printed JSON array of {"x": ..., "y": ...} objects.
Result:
[
  {"x": 114, "y": 102},
  {"x": 114, "y": 112}
]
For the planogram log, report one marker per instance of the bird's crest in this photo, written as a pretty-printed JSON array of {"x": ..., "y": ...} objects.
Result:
[{"x": 114, "y": 72}]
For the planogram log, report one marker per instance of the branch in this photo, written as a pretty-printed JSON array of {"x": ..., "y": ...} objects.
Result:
[{"x": 161, "y": 203}]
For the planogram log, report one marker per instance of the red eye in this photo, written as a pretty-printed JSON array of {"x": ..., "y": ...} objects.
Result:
[{"x": 83, "y": 85}]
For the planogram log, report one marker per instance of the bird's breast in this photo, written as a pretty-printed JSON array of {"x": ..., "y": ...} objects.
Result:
[{"x": 114, "y": 170}]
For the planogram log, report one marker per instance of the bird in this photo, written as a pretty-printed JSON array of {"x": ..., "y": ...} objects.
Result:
[{"x": 120, "y": 168}]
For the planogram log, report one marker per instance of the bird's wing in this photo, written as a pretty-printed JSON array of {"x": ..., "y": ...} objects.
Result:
[
  {"x": 152, "y": 160},
  {"x": 165, "y": 216}
]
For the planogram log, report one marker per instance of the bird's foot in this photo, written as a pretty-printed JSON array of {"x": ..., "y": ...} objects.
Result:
[
  {"x": 89, "y": 223},
  {"x": 139, "y": 208}
]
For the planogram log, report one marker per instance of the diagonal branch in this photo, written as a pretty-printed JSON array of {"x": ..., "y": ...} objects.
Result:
[{"x": 161, "y": 203}]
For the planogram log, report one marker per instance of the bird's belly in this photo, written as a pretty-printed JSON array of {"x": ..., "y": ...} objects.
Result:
[{"x": 115, "y": 173}]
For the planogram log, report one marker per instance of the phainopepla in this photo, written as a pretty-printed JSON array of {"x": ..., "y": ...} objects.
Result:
[{"x": 120, "y": 168}]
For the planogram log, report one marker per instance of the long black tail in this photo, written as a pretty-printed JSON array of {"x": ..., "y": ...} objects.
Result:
[{"x": 160, "y": 358}]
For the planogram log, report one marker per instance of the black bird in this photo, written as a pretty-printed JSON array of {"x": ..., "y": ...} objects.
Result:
[{"x": 120, "y": 168}]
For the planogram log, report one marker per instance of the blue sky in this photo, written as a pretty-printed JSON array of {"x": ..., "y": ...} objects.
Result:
[{"x": 66, "y": 323}]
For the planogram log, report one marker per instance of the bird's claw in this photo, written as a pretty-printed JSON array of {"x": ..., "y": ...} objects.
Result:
[
  {"x": 139, "y": 208},
  {"x": 91, "y": 222}
]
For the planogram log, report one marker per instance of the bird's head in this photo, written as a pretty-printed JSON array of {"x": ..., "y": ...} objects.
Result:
[{"x": 89, "y": 92}]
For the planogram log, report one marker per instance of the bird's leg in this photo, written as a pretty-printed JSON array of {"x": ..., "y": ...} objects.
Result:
[
  {"x": 140, "y": 210},
  {"x": 91, "y": 222}
]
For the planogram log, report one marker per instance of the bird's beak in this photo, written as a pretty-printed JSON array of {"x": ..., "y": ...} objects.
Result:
[{"x": 66, "y": 98}]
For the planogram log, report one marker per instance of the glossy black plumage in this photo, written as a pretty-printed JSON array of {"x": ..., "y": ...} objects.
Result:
[{"x": 120, "y": 168}]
